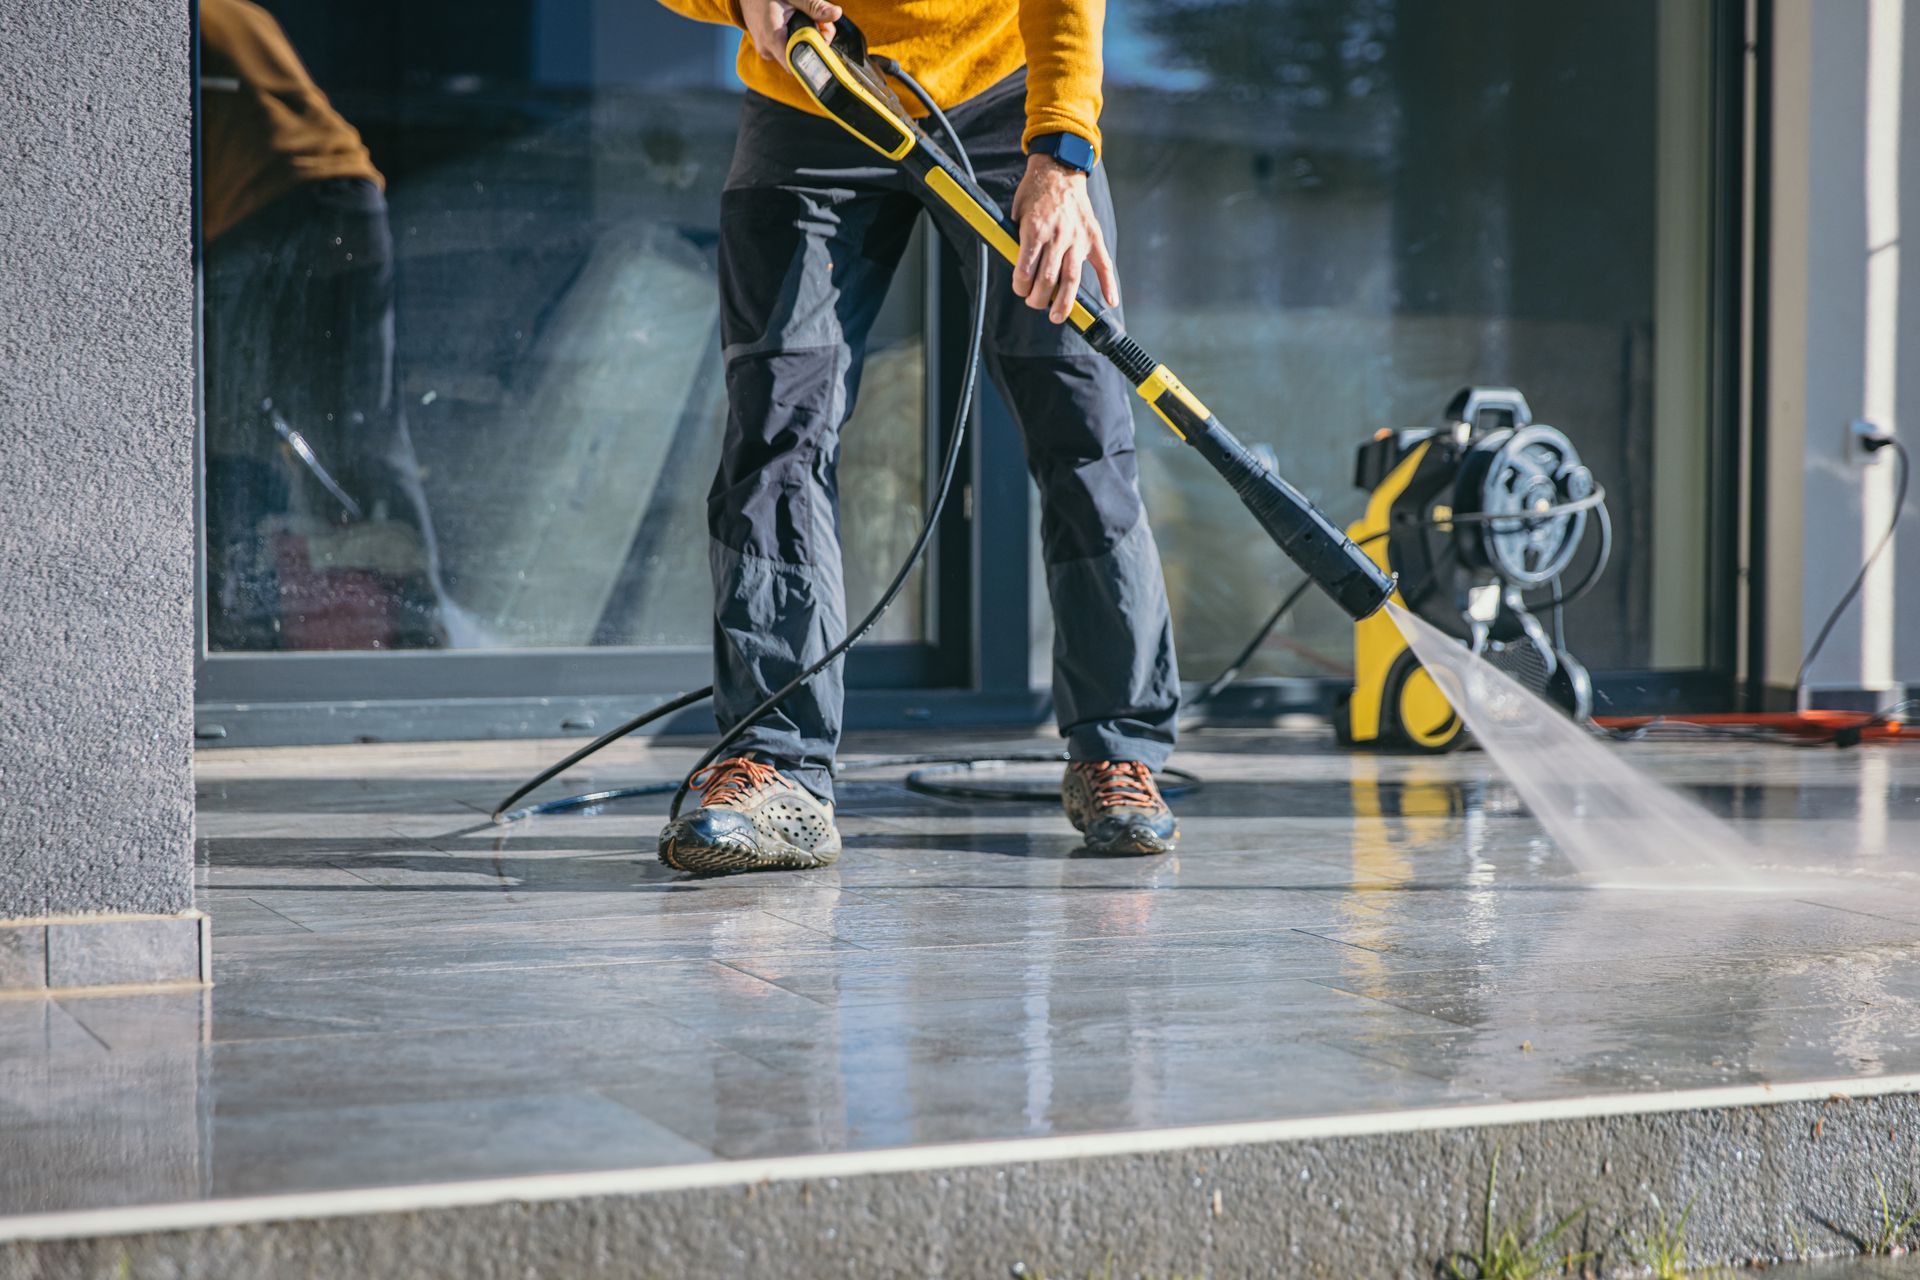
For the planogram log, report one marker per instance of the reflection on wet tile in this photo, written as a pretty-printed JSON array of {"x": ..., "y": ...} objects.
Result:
[
  {"x": 389, "y": 953},
  {"x": 149, "y": 1020},
  {"x": 1569, "y": 1057},
  {"x": 1168, "y": 963},
  {"x": 259, "y": 1009},
  {"x": 1017, "y": 1084},
  {"x": 405, "y": 992},
  {"x": 933, "y": 917},
  {"x": 331, "y": 1147},
  {"x": 1110, "y": 1022},
  {"x": 268, "y": 1076},
  {"x": 105, "y": 1129},
  {"x": 35, "y": 1027}
]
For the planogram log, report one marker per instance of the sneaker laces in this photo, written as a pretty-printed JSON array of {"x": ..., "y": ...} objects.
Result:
[
  {"x": 731, "y": 781},
  {"x": 1120, "y": 784}
]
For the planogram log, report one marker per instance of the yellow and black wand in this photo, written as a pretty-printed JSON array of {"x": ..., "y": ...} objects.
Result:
[{"x": 839, "y": 77}]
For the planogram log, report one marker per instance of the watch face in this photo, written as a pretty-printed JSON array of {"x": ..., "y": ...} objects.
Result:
[{"x": 1069, "y": 148}]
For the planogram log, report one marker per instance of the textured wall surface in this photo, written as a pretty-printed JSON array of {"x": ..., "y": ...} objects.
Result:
[
  {"x": 96, "y": 457},
  {"x": 1792, "y": 1180}
]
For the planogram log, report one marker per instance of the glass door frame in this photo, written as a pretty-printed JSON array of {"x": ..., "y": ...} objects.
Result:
[{"x": 975, "y": 667}]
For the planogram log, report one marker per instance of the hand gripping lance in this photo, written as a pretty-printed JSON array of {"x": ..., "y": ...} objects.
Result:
[{"x": 839, "y": 76}]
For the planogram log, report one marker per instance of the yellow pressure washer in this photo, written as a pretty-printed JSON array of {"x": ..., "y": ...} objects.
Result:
[
  {"x": 1471, "y": 516},
  {"x": 850, "y": 87}
]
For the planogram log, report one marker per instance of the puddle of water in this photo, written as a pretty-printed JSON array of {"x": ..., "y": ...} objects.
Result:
[{"x": 1620, "y": 827}]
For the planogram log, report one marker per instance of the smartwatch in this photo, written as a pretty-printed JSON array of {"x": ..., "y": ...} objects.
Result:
[{"x": 1069, "y": 149}]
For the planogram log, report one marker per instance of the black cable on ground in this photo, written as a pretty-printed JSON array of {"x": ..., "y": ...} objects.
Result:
[
  {"x": 1893, "y": 525},
  {"x": 923, "y": 780},
  {"x": 1842, "y": 737},
  {"x": 504, "y": 811},
  {"x": 955, "y": 779},
  {"x": 1231, "y": 671}
]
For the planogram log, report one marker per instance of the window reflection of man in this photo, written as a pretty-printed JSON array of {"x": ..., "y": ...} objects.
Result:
[{"x": 318, "y": 535}]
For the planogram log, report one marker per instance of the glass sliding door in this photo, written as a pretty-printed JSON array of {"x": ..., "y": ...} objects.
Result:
[
  {"x": 463, "y": 395},
  {"x": 1334, "y": 213}
]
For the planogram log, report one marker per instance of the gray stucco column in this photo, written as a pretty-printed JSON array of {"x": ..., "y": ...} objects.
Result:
[{"x": 96, "y": 495}]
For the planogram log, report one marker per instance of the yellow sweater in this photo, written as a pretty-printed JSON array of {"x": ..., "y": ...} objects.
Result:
[{"x": 956, "y": 49}]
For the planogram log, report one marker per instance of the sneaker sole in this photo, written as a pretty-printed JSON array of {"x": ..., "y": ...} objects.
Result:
[
  {"x": 733, "y": 857},
  {"x": 1141, "y": 846},
  {"x": 1137, "y": 846}
]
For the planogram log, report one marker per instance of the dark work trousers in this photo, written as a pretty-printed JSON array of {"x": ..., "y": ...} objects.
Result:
[
  {"x": 812, "y": 225},
  {"x": 299, "y": 321}
]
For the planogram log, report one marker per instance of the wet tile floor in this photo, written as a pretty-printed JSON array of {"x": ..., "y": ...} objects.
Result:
[{"x": 406, "y": 995}]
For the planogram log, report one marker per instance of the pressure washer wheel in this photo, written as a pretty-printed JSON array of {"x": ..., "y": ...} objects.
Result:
[
  {"x": 1572, "y": 688},
  {"x": 1414, "y": 714}
]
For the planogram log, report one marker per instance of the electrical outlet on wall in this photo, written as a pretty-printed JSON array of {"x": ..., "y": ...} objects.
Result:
[{"x": 1865, "y": 440}]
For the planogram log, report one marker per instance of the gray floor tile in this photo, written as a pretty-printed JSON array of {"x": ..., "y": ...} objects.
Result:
[
  {"x": 562, "y": 943},
  {"x": 410, "y": 1142},
  {"x": 150, "y": 1020},
  {"x": 238, "y": 916},
  {"x": 261, "y": 1009},
  {"x": 102, "y": 1130},
  {"x": 288, "y": 1076},
  {"x": 905, "y": 976}
]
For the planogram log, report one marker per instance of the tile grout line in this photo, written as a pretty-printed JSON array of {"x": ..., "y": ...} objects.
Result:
[{"x": 275, "y": 912}]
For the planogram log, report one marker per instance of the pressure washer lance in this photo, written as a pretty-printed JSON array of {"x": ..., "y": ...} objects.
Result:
[{"x": 848, "y": 86}]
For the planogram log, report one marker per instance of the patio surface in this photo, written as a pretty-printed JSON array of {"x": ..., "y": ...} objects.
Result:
[{"x": 403, "y": 997}]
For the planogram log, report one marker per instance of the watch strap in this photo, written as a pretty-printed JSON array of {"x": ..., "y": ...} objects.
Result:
[{"x": 1069, "y": 149}]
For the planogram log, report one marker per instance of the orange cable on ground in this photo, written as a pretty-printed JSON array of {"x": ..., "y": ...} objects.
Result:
[{"x": 1818, "y": 726}]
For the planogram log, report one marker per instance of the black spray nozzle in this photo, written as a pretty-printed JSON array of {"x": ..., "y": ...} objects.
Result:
[{"x": 1337, "y": 564}]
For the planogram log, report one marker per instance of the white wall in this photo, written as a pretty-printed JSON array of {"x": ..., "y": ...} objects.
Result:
[{"x": 1846, "y": 172}]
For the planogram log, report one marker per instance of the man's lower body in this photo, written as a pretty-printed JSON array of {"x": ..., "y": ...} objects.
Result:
[
  {"x": 300, "y": 339},
  {"x": 812, "y": 227}
]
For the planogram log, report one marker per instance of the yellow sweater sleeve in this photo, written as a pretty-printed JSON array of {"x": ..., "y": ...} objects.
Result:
[
  {"x": 726, "y": 12},
  {"x": 1062, "y": 38}
]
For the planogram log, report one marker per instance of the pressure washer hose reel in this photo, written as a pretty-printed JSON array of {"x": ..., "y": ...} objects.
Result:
[{"x": 1482, "y": 518}]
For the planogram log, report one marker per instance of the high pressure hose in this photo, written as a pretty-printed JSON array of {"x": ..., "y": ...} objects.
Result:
[{"x": 949, "y": 466}]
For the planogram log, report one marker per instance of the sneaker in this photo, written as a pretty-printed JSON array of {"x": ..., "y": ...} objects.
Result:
[
  {"x": 1118, "y": 807},
  {"x": 751, "y": 817}
]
